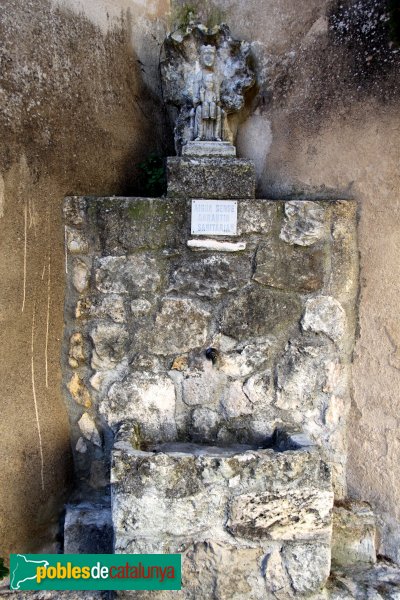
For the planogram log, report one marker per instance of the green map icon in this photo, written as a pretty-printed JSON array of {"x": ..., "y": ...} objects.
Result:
[{"x": 24, "y": 570}]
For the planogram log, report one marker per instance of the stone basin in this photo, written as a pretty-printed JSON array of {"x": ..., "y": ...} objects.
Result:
[{"x": 265, "y": 510}]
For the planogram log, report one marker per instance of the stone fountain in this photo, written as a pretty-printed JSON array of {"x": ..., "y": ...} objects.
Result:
[{"x": 208, "y": 359}]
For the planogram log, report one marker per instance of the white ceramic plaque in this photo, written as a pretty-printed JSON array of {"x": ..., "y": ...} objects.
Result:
[{"x": 214, "y": 217}]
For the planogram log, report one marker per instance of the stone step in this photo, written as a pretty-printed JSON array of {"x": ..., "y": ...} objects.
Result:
[{"x": 378, "y": 582}]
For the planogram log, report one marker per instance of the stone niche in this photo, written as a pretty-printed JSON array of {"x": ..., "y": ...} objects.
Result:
[
  {"x": 205, "y": 76},
  {"x": 185, "y": 362}
]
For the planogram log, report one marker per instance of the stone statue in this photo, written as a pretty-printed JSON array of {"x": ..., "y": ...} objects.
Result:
[
  {"x": 206, "y": 114},
  {"x": 205, "y": 75}
]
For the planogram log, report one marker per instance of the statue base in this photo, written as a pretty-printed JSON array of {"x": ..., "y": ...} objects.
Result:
[
  {"x": 210, "y": 177},
  {"x": 209, "y": 148}
]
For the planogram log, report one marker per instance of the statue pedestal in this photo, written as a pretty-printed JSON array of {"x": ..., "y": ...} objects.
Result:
[
  {"x": 194, "y": 176},
  {"x": 223, "y": 149}
]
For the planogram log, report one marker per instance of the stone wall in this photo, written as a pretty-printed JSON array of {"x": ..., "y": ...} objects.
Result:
[{"x": 142, "y": 307}]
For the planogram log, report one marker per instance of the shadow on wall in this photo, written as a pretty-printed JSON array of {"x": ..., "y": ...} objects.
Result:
[
  {"x": 75, "y": 116},
  {"x": 76, "y": 103},
  {"x": 345, "y": 66}
]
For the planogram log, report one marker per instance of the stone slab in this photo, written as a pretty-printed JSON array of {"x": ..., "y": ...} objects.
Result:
[
  {"x": 259, "y": 311},
  {"x": 292, "y": 267},
  {"x": 231, "y": 178},
  {"x": 209, "y": 149},
  {"x": 215, "y": 245}
]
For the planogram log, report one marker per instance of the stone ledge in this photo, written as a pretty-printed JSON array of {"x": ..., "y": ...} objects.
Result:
[
  {"x": 215, "y": 245},
  {"x": 220, "y": 149}
]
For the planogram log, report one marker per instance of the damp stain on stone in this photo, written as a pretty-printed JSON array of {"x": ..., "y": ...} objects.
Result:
[
  {"x": 365, "y": 29},
  {"x": 353, "y": 59}
]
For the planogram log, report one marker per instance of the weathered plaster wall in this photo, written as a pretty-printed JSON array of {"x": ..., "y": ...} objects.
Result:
[
  {"x": 327, "y": 122},
  {"x": 78, "y": 109}
]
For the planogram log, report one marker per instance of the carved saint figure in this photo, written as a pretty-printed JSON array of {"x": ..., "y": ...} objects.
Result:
[
  {"x": 206, "y": 115},
  {"x": 205, "y": 76}
]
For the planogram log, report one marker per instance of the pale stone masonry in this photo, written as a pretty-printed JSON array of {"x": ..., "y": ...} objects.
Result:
[
  {"x": 198, "y": 466},
  {"x": 280, "y": 312},
  {"x": 263, "y": 516}
]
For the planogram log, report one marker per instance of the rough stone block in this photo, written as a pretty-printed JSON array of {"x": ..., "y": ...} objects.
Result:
[
  {"x": 211, "y": 276},
  {"x": 304, "y": 223},
  {"x": 110, "y": 306},
  {"x": 204, "y": 386},
  {"x": 76, "y": 240},
  {"x": 75, "y": 211},
  {"x": 181, "y": 325},
  {"x": 130, "y": 224},
  {"x": 80, "y": 275},
  {"x": 77, "y": 353},
  {"x": 289, "y": 514},
  {"x": 233, "y": 573},
  {"x": 324, "y": 314},
  {"x": 256, "y": 311},
  {"x": 176, "y": 498},
  {"x": 79, "y": 391},
  {"x": 260, "y": 391},
  {"x": 140, "y": 307},
  {"x": 297, "y": 570},
  {"x": 302, "y": 375},
  {"x": 145, "y": 399},
  {"x": 247, "y": 357},
  {"x": 307, "y": 565},
  {"x": 365, "y": 582},
  {"x": 89, "y": 430},
  {"x": 258, "y": 216},
  {"x": 88, "y": 529},
  {"x": 354, "y": 533},
  {"x": 290, "y": 267},
  {"x": 110, "y": 343},
  {"x": 132, "y": 275},
  {"x": 210, "y": 178},
  {"x": 344, "y": 270}
]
